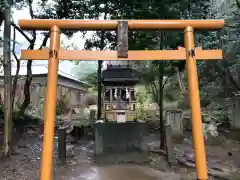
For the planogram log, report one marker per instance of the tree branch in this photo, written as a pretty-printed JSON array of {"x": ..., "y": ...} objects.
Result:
[
  {"x": 236, "y": 14},
  {"x": 238, "y": 3},
  {"x": 33, "y": 17},
  {"x": 155, "y": 92},
  {"x": 164, "y": 83},
  {"x": 21, "y": 31},
  {"x": 45, "y": 39},
  {"x": 14, "y": 44}
]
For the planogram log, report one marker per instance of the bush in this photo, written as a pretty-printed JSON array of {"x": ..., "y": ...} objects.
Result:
[{"x": 141, "y": 112}]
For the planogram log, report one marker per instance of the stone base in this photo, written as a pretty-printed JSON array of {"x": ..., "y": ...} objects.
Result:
[{"x": 121, "y": 142}]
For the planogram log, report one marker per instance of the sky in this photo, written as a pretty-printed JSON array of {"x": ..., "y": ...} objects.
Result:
[
  {"x": 66, "y": 68},
  {"x": 40, "y": 67}
]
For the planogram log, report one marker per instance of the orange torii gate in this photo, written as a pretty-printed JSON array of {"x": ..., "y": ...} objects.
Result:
[{"x": 55, "y": 53}]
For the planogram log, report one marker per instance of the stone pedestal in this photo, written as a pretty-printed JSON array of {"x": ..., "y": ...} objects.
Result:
[
  {"x": 174, "y": 118},
  {"x": 121, "y": 141}
]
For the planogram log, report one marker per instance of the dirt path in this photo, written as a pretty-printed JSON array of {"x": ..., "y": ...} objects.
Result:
[
  {"x": 80, "y": 164},
  {"x": 115, "y": 172},
  {"x": 26, "y": 164}
]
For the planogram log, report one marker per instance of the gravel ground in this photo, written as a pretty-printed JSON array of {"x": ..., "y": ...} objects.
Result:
[{"x": 80, "y": 165}]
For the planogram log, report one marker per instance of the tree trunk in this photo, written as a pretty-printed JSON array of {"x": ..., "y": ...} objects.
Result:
[
  {"x": 1, "y": 17},
  {"x": 99, "y": 72},
  {"x": 15, "y": 80},
  {"x": 180, "y": 82},
  {"x": 27, "y": 97},
  {"x": 26, "y": 89},
  {"x": 7, "y": 84},
  {"x": 160, "y": 97},
  {"x": 27, "y": 85},
  {"x": 160, "y": 104},
  {"x": 99, "y": 75}
]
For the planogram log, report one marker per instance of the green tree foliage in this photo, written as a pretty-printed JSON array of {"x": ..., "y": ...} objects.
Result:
[
  {"x": 155, "y": 71},
  {"x": 154, "y": 9},
  {"x": 92, "y": 79},
  {"x": 85, "y": 68},
  {"x": 217, "y": 78}
]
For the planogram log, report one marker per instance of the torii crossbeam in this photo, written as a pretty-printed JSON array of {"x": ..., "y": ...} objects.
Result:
[{"x": 55, "y": 53}]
